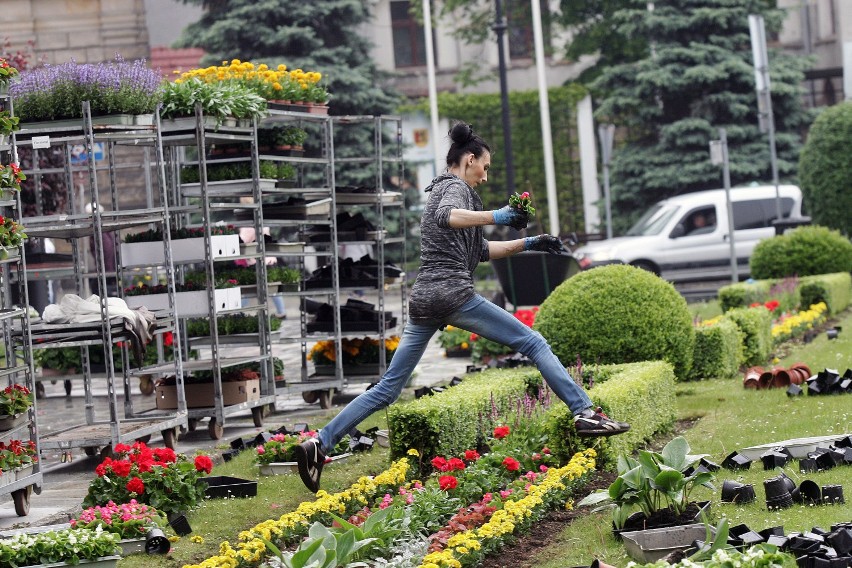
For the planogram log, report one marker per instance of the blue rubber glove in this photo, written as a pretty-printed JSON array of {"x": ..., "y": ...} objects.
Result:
[
  {"x": 512, "y": 217},
  {"x": 545, "y": 243}
]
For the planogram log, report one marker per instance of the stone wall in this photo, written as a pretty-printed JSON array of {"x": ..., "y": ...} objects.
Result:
[{"x": 87, "y": 31}]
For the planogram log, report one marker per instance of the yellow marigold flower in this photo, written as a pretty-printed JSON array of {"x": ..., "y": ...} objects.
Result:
[
  {"x": 413, "y": 452},
  {"x": 197, "y": 538}
]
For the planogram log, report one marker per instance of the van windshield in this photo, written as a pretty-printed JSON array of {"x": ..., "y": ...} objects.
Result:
[{"x": 653, "y": 221}]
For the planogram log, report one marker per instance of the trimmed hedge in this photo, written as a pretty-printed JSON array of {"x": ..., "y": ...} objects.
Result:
[
  {"x": 833, "y": 289},
  {"x": 744, "y": 294},
  {"x": 448, "y": 423},
  {"x": 618, "y": 314},
  {"x": 718, "y": 350},
  {"x": 804, "y": 251},
  {"x": 756, "y": 327},
  {"x": 642, "y": 394}
]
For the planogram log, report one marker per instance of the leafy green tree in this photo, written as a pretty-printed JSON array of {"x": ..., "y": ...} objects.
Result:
[
  {"x": 825, "y": 169},
  {"x": 697, "y": 78}
]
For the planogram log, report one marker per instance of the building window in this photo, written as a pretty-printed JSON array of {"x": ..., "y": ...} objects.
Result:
[
  {"x": 409, "y": 42},
  {"x": 520, "y": 29}
]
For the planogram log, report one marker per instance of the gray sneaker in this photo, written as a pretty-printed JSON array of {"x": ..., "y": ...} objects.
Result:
[{"x": 599, "y": 424}]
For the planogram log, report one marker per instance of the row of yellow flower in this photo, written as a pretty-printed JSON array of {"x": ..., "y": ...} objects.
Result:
[
  {"x": 251, "y": 549},
  {"x": 801, "y": 322},
  {"x": 466, "y": 548},
  {"x": 269, "y": 83}
]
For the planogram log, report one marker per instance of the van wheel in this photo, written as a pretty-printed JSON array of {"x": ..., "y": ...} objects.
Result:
[{"x": 645, "y": 265}]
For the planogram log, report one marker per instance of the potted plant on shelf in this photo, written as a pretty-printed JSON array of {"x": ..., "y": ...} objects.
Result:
[
  {"x": 11, "y": 177},
  {"x": 68, "y": 546},
  {"x": 360, "y": 355},
  {"x": 222, "y": 102},
  {"x": 7, "y": 73},
  {"x": 12, "y": 237},
  {"x": 190, "y": 299},
  {"x": 113, "y": 88},
  {"x": 455, "y": 341},
  {"x": 17, "y": 458},
  {"x": 145, "y": 248},
  {"x": 8, "y": 125},
  {"x": 15, "y": 400}
]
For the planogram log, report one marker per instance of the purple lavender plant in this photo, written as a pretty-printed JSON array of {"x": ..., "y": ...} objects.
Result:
[{"x": 55, "y": 92}]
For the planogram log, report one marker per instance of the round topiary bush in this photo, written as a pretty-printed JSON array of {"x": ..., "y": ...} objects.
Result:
[
  {"x": 618, "y": 314},
  {"x": 802, "y": 252}
]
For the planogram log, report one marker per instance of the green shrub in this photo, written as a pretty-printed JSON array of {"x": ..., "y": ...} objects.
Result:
[
  {"x": 833, "y": 289},
  {"x": 802, "y": 252},
  {"x": 642, "y": 394},
  {"x": 718, "y": 350},
  {"x": 825, "y": 170},
  {"x": 744, "y": 294},
  {"x": 618, "y": 314},
  {"x": 448, "y": 423},
  {"x": 756, "y": 327}
]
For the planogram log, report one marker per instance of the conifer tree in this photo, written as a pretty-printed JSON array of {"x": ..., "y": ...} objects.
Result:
[{"x": 697, "y": 77}]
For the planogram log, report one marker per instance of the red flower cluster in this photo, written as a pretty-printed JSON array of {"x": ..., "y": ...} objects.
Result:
[
  {"x": 138, "y": 454},
  {"x": 511, "y": 464},
  {"x": 771, "y": 305},
  {"x": 135, "y": 485},
  {"x": 501, "y": 432},
  {"x": 471, "y": 455},
  {"x": 447, "y": 482},
  {"x": 203, "y": 463},
  {"x": 442, "y": 464},
  {"x": 527, "y": 317}
]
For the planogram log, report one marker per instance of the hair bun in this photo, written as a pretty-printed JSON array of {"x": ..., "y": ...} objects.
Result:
[{"x": 461, "y": 133}]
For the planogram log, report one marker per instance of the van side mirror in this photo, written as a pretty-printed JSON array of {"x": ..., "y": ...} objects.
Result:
[{"x": 678, "y": 231}]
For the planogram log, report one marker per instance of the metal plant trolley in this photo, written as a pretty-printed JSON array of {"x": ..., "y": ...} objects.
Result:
[
  {"x": 120, "y": 427},
  {"x": 17, "y": 367},
  {"x": 200, "y": 203}
]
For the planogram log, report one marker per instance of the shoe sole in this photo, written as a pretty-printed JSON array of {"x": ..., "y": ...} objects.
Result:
[
  {"x": 600, "y": 433},
  {"x": 302, "y": 461}
]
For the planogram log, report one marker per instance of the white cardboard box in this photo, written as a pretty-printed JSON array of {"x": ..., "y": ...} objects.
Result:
[
  {"x": 183, "y": 250},
  {"x": 190, "y": 303}
]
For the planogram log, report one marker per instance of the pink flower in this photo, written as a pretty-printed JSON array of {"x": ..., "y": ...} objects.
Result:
[
  {"x": 531, "y": 475},
  {"x": 261, "y": 450},
  {"x": 505, "y": 493}
]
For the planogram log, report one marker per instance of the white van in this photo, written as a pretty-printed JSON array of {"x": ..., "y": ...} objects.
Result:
[{"x": 687, "y": 237}]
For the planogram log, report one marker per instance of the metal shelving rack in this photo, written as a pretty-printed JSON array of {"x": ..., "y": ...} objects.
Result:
[
  {"x": 312, "y": 388},
  {"x": 387, "y": 156},
  {"x": 17, "y": 363},
  {"x": 224, "y": 353},
  {"x": 98, "y": 433}
]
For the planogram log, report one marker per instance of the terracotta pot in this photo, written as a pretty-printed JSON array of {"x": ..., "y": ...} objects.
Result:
[
  {"x": 751, "y": 380},
  {"x": 780, "y": 378},
  {"x": 765, "y": 379},
  {"x": 797, "y": 375},
  {"x": 802, "y": 367}
]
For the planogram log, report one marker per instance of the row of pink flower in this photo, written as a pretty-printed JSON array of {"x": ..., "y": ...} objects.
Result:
[{"x": 128, "y": 520}]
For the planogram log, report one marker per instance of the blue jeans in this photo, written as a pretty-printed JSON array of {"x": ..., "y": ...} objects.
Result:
[{"x": 478, "y": 316}]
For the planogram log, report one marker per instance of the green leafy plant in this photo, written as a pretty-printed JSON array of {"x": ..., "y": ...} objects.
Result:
[
  {"x": 8, "y": 123},
  {"x": 380, "y": 528},
  {"x": 15, "y": 399},
  {"x": 12, "y": 234},
  {"x": 323, "y": 548},
  {"x": 69, "y": 546},
  {"x": 155, "y": 235},
  {"x": 220, "y": 100},
  {"x": 228, "y": 324},
  {"x": 803, "y": 251},
  {"x": 11, "y": 176},
  {"x": 652, "y": 482},
  {"x": 454, "y": 338},
  {"x": 7, "y": 72},
  {"x": 522, "y": 201},
  {"x": 17, "y": 454}
]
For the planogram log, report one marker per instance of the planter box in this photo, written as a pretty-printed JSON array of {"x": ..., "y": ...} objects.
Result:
[
  {"x": 24, "y": 472},
  {"x": 281, "y": 468},
  {"x": 227, "y": 187},
  {"x": 190, "y": 303},
  {"x": 10, "y": 254},
  {"x": 186, "y": 123},
  {"x": 653, "y": 544},
  {"x": 183, "y": 250},
  {"x": 103, "y": 562},
  {"x": 201, "y": 395},
  {"x": 798, "y": 447},
  {"x": 132, "y": 546},
  {"x": 8, "y": 422},
  {"x": 223, "y": 486}
]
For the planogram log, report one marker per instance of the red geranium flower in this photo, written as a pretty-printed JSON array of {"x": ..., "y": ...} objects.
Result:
[
  {"x": 501, "y": 432},
  {"x": 203, "y": 463},
  {"x": 447, "y": 482},
  {"x": 165, "y": 455},
  {"x": 471, "y": 455},
  {"x": 135, "y": 485},
  {"x": 121, "y": 468},
  {"x": 511, "y": 464},
  {"x": 455, "y": 463},
  {"x": 439, "y": 463}
]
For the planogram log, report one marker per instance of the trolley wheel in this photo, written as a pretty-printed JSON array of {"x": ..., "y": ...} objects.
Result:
[
  {"x": 169, "y": 438},
  {"x": 146, "y": 385},
  {"x": 257, "y": 416},
  {"x": 192, "y": 424},
  {"x": 325, "y": 397},
  {"x": 39, "y": 390},
  {"x": 106, "y": 452},
  {"x": 215, "y": 429},
  {"x": 90, "y": 450},
  {"x": 21, "y": 497},
  {"x": 144, "y": 439},
  {"x": 67, "y": 388},
  {"x": 310, "y": 396}
]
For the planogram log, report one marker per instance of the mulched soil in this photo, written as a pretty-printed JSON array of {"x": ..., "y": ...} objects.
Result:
[{"x": 520, "y": 553}]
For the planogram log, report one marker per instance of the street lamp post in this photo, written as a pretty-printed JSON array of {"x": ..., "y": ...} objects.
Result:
[{"x": 499, "y": 28}]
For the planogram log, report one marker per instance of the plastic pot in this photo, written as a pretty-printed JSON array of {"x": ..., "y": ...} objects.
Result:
[
  {"x": 832, "y": 494},
  {"x": 156, "y": 542},
  {"x": 736, "y": 460},
  {"x": 735, "y": 492}
]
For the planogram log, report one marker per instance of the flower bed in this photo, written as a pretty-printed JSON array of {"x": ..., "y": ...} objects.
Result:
[
  {"x": 70, "y": 546},
  {"x": 128, "y": 520}
]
